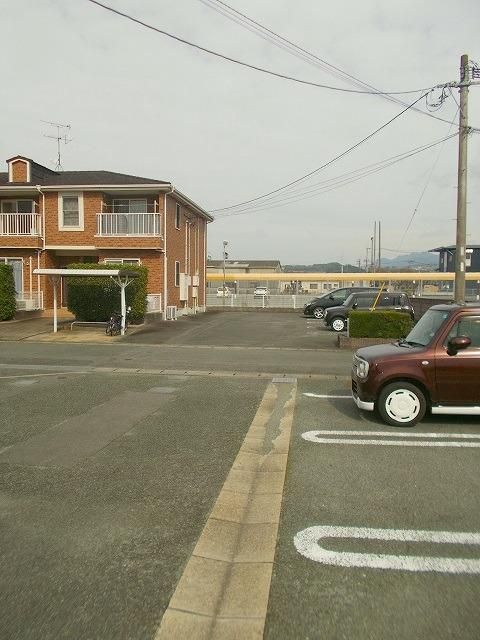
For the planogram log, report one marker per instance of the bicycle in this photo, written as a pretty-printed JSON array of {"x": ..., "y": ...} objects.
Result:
[{"x": 114, "y": 326}]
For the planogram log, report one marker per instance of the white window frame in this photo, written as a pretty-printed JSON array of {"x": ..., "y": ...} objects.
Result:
[
  {"x": 177, "y": 273},
  {"x": 135, "y": 261},
  {"x": 70, "y": 194},
  {"x": 5, "y": 260},
  {"x": 178, "y": 214}
]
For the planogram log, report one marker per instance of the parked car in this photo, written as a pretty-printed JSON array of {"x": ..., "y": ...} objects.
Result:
[
  {"x": 317, "y": 306},
  {"x": 336, "y": 317},
  {"x": 223, "y": 292},
  {"x": 261, "y": 292},
  {"x": 435, "y": 368}
]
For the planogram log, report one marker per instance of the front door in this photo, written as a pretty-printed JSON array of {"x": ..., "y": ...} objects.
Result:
[{"x": 458, "y": 377}]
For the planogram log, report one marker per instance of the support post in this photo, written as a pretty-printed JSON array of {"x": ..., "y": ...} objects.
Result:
[{"x": 462, "y": 184}]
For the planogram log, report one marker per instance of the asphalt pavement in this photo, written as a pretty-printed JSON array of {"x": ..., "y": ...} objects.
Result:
[{"x": 130, "y": 467}]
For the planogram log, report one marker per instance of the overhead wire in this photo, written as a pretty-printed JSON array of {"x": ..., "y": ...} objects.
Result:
[
  {"x": 280, "y": 41},
  {"x": 326, "y": 164},
  {"x": 341, "y": 180},
  {"x": 242, "y": 63},
  {"x": 429, "y": 177},
  {"x": 334, "y": 183}
]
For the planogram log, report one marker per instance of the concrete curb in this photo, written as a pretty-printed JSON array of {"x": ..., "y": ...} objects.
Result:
[{"x": 224, "y": 590}]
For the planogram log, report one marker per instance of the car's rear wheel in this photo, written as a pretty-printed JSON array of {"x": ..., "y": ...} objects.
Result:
[
  {"x": 401, "y": 404},
  {"x": 319, "y": 313},
  {"x": 338, "y": 324}
]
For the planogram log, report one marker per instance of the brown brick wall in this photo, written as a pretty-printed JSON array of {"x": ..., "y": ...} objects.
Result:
[
  {"x": 148, "y": 250},
  {"x": 19, "y": 171}
]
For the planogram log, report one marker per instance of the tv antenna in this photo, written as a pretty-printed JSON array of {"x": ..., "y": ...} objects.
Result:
[{"x": 62, "y": 136}]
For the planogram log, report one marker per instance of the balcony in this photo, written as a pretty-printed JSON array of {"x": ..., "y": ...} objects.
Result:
[
  {"x": 20, "y": 224},
  {"x": 128, "y": 224}
]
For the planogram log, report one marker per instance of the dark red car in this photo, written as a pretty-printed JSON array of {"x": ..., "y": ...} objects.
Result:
[{"x": 435, "y": 368}]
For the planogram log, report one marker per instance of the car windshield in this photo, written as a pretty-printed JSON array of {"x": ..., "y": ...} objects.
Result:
[{"x": 425, "y": 329}]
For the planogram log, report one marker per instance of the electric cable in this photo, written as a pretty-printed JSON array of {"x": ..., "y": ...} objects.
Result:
[
  {"x": 326, "y": 164},
  {"x": 245, "y": 64},
  {"x": 335, "y": 183},
  {"x": 287, "y": 45}
]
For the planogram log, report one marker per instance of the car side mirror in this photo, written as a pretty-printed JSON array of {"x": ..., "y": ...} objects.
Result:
[
  {"x": 456, "y": 344},
  {"x": 330, "y": 297},
  {"x": 354, "y": 305}
]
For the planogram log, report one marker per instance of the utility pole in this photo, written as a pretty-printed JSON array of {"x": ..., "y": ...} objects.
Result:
[
  {"x": 374, "y": 248},
  {"x": 462, "y": 183},
  {"x": 372, "y": 255},
  {"x": 379, "y": 247},
  {"x": 225, "y": 256}
]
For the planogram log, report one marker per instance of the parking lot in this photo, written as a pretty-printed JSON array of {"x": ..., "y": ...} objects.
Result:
[{"x": 114, "y": 457}]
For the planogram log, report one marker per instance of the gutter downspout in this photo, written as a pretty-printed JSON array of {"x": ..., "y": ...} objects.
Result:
[
  {"x": 39, "y": 251},
  {"x": 165, "y": 281}
]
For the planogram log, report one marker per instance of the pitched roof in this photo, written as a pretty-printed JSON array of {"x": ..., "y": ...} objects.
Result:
[{"x": 46, "y": 178}]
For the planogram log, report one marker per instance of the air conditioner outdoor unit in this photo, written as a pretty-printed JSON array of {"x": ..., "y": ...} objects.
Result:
[{"x": 171, "y": 313}]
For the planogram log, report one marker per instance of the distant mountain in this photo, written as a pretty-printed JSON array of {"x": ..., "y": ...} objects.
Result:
[
  {"x": 327, "y": 267},
  {"x": 414, "y": 261}
]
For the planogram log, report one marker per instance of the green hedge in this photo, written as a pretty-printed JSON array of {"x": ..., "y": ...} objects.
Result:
[
  {"x": 94, "y": 299},
  {"x": 379, "y": 324},
  {"x": 8, "y": 304}
]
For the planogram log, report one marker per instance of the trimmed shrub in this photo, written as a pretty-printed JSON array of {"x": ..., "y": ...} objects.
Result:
[
  {"x": 8, "y": 303},
  {"x": 94, "y": 299},
  {"x": 379, "y": 324}
]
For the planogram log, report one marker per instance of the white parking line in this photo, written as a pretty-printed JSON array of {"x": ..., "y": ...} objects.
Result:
[
  {"x": 429, "y": 438},
  {"x": 307, "y": 543}
]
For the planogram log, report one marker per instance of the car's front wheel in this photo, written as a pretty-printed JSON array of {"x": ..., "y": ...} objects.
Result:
[
  {"x": 401, "y": 404},
  {"x": 319, "y": 313},
  {"x": 338, "y": 324}
]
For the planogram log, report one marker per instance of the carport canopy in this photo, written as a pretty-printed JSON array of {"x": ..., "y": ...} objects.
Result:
[{"x": 122, "y": 277}]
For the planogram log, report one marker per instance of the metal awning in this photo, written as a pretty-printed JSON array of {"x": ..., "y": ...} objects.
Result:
[{"x": 122, "y": 277}]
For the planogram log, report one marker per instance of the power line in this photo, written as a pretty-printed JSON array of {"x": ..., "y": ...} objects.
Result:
[
  {"x": 246, "y": 64},
  {"x": 323, "y": 166},
  {"x": 334, "y": 183},
  {"x": 307, "y": 56},
  {"x": 429, "y": 177}
]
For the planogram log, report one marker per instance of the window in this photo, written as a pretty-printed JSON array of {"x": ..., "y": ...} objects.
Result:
[
  {"x": 177, "y": 274},
  {"x": 70, "y": 211},
  {"x": 467, "y": 327},
  {"x": 137, "y": 205},
  {"x": 17, "y": 265},
  {"x": 18, "y": 206},
  {"x": 313, "y": 286},
  {"x": 122, "y": 261},
  {"x": 177, "y": 217}
]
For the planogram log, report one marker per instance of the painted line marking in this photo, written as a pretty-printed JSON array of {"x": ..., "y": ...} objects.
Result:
[
  {"x": 307, "y": 543},
  {"x": 314, "y": 436},
  {"x": 42, "y": 375},
  {"x": 325, "y": 396}
]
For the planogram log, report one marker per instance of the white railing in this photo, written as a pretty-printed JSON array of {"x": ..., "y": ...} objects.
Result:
[
  {"x": 128, "y": 224},
  {"x": 29, "y": 301},
  {"x": 154, "y": 302},
  {"x": 20, "y": 224},
  {"x": 244, "y": 300}
]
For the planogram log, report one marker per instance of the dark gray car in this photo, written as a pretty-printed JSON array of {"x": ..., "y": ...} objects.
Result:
[
  {"x": 336, "y": 317},
  {"x": 317, "y": 306}
]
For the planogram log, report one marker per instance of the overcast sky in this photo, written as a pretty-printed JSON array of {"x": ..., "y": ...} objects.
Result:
[{"x": 141, "y": 103}]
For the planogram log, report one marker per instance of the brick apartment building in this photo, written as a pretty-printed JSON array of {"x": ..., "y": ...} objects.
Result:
[{"x": 49, "y": 219}]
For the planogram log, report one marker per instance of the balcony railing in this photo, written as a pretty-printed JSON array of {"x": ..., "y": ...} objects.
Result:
[
  {"x": 20, "y": 224},
  {"x": 128, "y": 224}
]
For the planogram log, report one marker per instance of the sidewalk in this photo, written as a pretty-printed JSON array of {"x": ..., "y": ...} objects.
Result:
[{"x": 40, "y": 329}]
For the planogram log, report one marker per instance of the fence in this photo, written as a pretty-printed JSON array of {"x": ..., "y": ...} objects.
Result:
[{"x": 248, "y": 300}]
